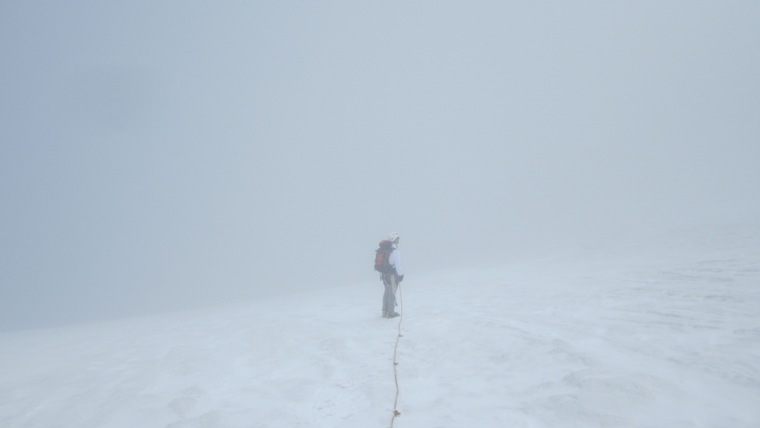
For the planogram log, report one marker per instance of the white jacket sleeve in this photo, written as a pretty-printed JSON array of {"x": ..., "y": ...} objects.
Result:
[{"x": 395, "y": 261}]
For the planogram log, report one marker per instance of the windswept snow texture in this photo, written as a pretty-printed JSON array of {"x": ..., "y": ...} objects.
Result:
[{"x": 645, "y": 336}]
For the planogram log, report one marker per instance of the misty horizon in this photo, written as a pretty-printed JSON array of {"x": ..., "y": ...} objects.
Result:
[{"x": 167, "y": 156}]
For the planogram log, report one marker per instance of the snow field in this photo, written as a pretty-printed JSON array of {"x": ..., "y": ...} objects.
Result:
[{"x": 650, "y": 337}]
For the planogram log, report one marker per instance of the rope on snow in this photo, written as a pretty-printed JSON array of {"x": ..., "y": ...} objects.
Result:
[{"x": 396, "y": 413}]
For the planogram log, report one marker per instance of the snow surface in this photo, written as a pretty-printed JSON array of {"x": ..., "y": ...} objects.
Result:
[{"x": 641, "y": 335}]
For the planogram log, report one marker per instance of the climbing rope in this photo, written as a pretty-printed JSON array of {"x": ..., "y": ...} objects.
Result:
[{"x": 396, "y": 413}]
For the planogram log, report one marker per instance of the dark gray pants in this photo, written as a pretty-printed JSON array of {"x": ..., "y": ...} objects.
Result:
[{"x": 389, "y": 297}]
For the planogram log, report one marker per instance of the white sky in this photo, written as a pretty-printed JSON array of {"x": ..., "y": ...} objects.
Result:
[{"x": 156, "y": 155}]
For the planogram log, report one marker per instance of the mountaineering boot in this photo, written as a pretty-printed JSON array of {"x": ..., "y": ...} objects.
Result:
[{"x": 392, "y": 315}]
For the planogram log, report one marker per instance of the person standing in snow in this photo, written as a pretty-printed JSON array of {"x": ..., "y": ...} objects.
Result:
[{"x": 392, "y": 279}]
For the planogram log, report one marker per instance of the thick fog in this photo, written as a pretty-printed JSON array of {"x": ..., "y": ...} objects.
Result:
[{"x": 163, "y": 155}]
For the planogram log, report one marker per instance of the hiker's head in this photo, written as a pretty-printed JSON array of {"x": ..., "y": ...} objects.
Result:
[{"x": 394, "y": 237}]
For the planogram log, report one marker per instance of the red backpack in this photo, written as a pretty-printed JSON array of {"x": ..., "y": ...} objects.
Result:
[{"x": 382, "y": 254}]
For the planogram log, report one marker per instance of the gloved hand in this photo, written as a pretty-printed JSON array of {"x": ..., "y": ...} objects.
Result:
[{"x": 399, "y": 278}]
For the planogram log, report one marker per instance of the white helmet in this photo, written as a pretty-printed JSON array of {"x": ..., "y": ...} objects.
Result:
[{"x": 393, "y": 237}]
